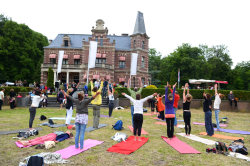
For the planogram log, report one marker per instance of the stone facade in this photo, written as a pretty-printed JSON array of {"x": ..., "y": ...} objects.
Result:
[{"x": 113, "y": 55}]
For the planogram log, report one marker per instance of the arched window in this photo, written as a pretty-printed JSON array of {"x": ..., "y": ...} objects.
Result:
[{"x": 142, "y": 62}]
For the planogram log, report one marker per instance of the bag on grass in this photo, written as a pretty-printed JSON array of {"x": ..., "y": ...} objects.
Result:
[
  {"x": 118, "y": 125},
  {"x": 119, "y": 137},
  {"x": 238, "y": 147},
  {"x": 35, "y": 161},
  {"x": 221, "y": 148}
]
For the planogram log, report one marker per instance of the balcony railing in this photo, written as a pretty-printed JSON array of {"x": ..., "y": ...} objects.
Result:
[{"x": 98, "y": 65}]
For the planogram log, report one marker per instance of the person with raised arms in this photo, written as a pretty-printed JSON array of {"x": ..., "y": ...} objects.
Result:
[
  {"x": 186, "y": 109},
  {"x": 111, "y": 99},
  {"x": 169, "y": 111},
  {"x": 217, "y": 103},
  {"x": 133, "y": 94},
  {"x": 138, "y": 112},
  {"x": 207, "y": 108},
  {"x": 81, "y": 119}
]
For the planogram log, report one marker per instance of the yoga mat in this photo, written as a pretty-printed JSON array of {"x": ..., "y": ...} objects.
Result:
[
  {"x": 164, "y": 120},
  {"x": 89, "y": 129},
  {"x": 233, "y": 131},
  {"x": 60, "y": 118},
  {"x": 239, "y": 156},
  {"x": 128, "y": 146},
  {"x": 21, "y": 145},
  {"x": 104, "y": 116},
  {"x": 180, "y": 146},
  {"x": 52, "y": 126},
  {"x": 198, "y": 139},
  {"x": 142, "y": 130},
  {"x": 147, "y": 114},
  {"x": 71, "y": 150},
  {"x": 17, "y": 131},
  {"x": 223, "y": 136},
  {"x": 203, "y": 124},
  {"x": 181, "y": 126}
]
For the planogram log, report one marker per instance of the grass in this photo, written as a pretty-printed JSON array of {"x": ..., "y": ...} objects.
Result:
[{"x": 155, "y": 152}]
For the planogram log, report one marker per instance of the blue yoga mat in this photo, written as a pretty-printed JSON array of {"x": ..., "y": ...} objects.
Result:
[{"x": 233, "y": 131}]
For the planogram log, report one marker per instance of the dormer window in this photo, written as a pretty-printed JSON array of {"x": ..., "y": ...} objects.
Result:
[{"x": 66, "y": 41}]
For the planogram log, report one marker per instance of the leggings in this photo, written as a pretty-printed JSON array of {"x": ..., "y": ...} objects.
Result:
[
  {"x": 187, "y": 117},
  {"x": 111, "y": 107},
  {"x": 170, "y": 127},
  {"x": 138, "y": 120},
  {"x": 32, "y": 116},
  {"x": 162, "y": 115}
]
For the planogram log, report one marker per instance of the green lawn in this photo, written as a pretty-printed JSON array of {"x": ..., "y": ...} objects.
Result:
[{"x": 154, "y": 152}]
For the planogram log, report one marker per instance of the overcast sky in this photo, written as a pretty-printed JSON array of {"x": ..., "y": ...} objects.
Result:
[{"x": 169, "y": 23}]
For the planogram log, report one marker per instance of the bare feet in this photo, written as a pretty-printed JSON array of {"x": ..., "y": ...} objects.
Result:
[{"x": 135, "y": 138}]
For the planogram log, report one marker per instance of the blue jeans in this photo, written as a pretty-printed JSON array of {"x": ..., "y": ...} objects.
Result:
[
  {"x": 132, "y": 114},
  {"x": 208, "y": 123},
  {"x": 175, "y": 119},
  {"x": 217, "y": 111},
  {"x": 80, "y": 130}
]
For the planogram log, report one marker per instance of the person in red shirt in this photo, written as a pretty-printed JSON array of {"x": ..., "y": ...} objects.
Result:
[
  {"x": 160, "y": 106},
  {"x": 176, "y": 100}
]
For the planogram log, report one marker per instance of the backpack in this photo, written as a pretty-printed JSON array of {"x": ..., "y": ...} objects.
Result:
[
  {"x": 35, "y": 161},
  {"x": 238, "y": 147},
  {"x": 221, "y": 148},
  {"x": 118, "y": 125}
]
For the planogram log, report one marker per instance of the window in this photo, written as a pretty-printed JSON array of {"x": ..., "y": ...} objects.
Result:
[
  {"x": 76, "y": 61},
  {"x": 52, "y": 60},
  {"x": 142, "y": 62},
  {"x": 101, "y": 42},
  {"x": 134, "y": 44},
  {"x": 66, "y": 43},
  {"x": 143, "y": 81},
  {"x": 100, "y": 60},
  {"x": 143, "y": 45},
  {"x": 122, "y": 64},
  {"x": 65, "y": 61}
]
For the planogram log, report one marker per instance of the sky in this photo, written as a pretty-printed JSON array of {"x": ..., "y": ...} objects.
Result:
[{"x": 169, "y": 23}]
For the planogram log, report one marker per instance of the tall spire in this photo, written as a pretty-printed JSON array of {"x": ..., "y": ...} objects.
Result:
[{"x": 139, "y": 24}]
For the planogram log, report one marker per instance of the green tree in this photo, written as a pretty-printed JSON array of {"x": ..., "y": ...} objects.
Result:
[
  {"x": 50, "y": 80},
  {"x": 21, "y": 51},
  {"x": 154, "y": 66},
  {"x": 241, "y": 76},
  {"x": 173, "y": 77}
]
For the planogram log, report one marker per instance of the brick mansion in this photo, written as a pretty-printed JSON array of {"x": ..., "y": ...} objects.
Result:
[{"x": 113, "y": 56}]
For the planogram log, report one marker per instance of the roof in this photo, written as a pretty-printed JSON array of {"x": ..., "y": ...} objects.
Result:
[
  {"x": 121, "y": 42},
  {"x": 139, "y": 24}
]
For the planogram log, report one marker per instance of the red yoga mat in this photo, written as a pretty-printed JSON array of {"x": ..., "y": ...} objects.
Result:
[
  {"x": 142, "y": 130},
  {"x": 128, "y": 146},
  {"x": 180, "y": 146}
]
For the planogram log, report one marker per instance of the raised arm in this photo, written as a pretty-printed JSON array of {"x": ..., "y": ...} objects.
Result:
[
  {"x": 215, "y": 89},
  {"x": 148, "y": 97},
  {"x": 129, "y": 97},
  {"x": 174, "y": 91},
  {"x": 128, "y": 84},
  {"x": 166, "y": 93},
  {"x": 184, "y": 95},
  {"x": 92, "y": 98}
]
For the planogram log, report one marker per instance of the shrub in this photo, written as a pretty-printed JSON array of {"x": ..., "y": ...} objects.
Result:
[
  {"x": 17, "y": 89},
  {"x": 151, "y": 87}
]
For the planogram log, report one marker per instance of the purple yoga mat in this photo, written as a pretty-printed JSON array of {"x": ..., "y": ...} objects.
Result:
[
  {"x": 233, "y": 131},
  {"x": 203, "y": 124},
  {"x": 104, "y": 116},
  {"x": 71, "y": 150}
]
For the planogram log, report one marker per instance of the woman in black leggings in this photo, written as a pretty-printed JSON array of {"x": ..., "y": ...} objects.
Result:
[{"x": 186, "y": 109}]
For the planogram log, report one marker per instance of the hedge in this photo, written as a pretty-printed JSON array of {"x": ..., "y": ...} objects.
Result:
[
  {"x": 196, "y": 93},
  {"x": 17, "y": 89}
]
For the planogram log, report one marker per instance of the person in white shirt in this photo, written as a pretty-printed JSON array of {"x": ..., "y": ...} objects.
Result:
[
  {"x": 1, "y": 98},
  {"x": 138, "y": 112},
  {"x": 217, "y": 103},
  {"x": 111, "y": 100},
  {"x": 36, "y": 99}
]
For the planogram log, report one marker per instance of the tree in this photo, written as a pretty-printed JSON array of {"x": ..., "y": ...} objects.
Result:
[
  {"x": 241, "y": 76},
  {"x": 21, "y": 51},
  {"x": 173, "y": 77},
  {"x": 154, "y": 66},
  {"x": 50, "y": 80}
]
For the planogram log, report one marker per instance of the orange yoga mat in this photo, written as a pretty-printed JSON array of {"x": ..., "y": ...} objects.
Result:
[
  {"x": 223, "y": 136},
  {"x": 142, "y": 131}
]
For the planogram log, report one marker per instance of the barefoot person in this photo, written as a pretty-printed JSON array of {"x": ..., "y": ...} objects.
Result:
[
  {"x": 81, "y": 120},
  {"x": 111, "y": 100},
  {"x": 160, "y": 106},
  {"x": 207, "y": 108},
  {"x": 133, "y": 94},
  {"x": 217, "y": 103},
  {"x": 138, "y": 112},
  {"x": 186, "y": 109},
  {"x": 169, "y": 111},
  {"x": 176, "y": 100}
]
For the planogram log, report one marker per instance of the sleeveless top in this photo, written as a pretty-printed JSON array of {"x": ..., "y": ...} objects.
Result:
[{"x": 186, "y": 105}]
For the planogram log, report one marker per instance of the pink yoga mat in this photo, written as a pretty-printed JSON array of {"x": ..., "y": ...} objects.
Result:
[
  {"x": 71, "y": 150},
  {"x": 142, "y": 131},
  {"x": 203, "y": 124},
  {"x": 147, "y": 114},
  {"x": 180, "y": 146},
  {"x": 21, "y": 145},
  {"x": 161, "y": 123}
]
